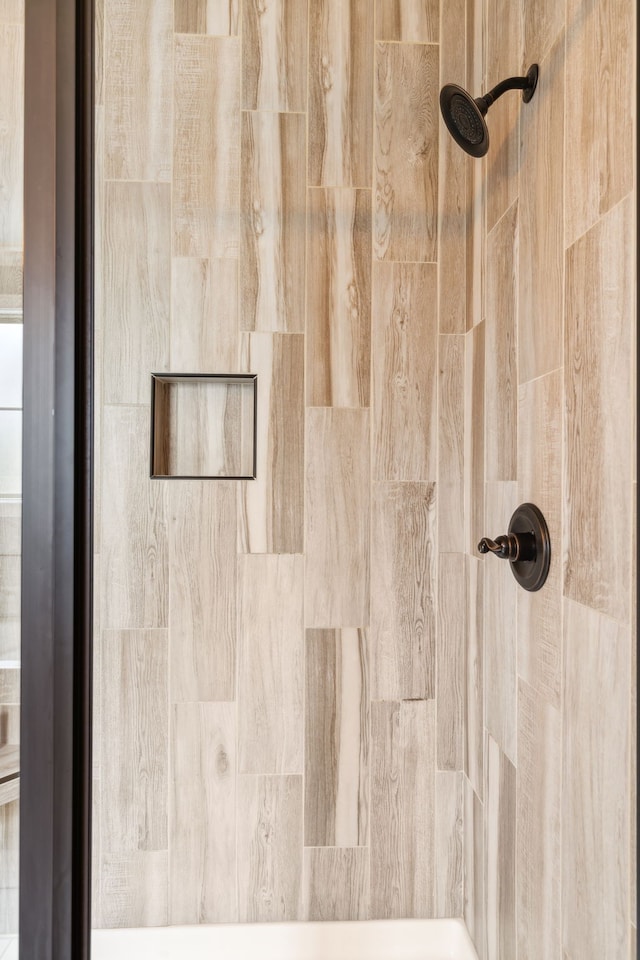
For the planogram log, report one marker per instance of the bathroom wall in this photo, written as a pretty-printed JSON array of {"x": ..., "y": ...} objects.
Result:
[
  {"x": 549, "y": 820},
  {"x": 280, "y": 663}
]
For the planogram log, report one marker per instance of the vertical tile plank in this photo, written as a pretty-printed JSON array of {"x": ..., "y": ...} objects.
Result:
[
  {"x": 403, "y": 809},
  {"x": 451, "y": 441},
  {"x": 271, "y": 671},
  {"x": 274, "y": 54},
  {"x": 500, "y": 827},
  {"x": 273, "y": 197},
  {"x": 602, "y": 38},
  {"x": 403, "y": 595},
  {"x": 217, "y": 17},
  {"x": 339, "y": 298},
  {"x": 406, "y": 152},
  {"x": 202, "y": 590},
  {"x": 337, "y": 518},
  {"x": 538, "y": 824},
  {"x": 449, "y": 869},
  {"x": 474, "y": 722},
  {"x": 451, "y": 657},
  {"x": 408, "y": 21},
  {"x": 595, "y": 785},
  {"x": 10, "y": 591},
  {"x": 541, "y": 254},
  {"x": 134, "y": 708},
  {"x": 271, "y": 507},
  {"x": 204, "y": 315},
  {"x": 134, "y": 564},
  {"x": 336, "y": 883},
  {"x": 543, "y": 21},
  {"x": 135, "y": 890},
  {"x": 136, "y": 263},
  {"x": 137, "y": 91},
  {"x": 206, "y": 151},
  {"x": 405, "y": 326},
  {"x": 474, "y": 911},
  {"x": 203, "y": 813},
  {"x": 340, "y": 108},
  {"x": 336, "y": 789},
  {"x": 474, "y": 437},
  {"x": 598, "y": 339},
  {"x": 540, "y": 482},
  {"x": 12, "y": 44},
  {"x": 269, "y": 832},
  {"x": 501, "y": 372}
]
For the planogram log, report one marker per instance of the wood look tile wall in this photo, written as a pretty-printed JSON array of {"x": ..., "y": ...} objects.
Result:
[
  {"x": 335, "y": 708},
  {"x": 550, "y": 393}
]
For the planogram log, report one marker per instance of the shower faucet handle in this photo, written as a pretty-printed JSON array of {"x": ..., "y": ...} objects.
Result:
[
  {"x": 526, "y": 546},
  {"x": 502, "y": 547}
]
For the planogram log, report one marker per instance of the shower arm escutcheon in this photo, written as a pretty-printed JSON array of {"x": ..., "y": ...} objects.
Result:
[{"x": 526, "y": 546}]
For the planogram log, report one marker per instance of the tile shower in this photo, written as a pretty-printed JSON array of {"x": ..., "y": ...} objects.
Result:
[{"x": 313, "y": 699}]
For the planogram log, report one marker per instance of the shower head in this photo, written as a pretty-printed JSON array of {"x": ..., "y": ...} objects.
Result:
[{"x": 464, "y": 115}]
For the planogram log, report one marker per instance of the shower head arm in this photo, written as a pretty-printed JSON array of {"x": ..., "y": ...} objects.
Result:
[{"x": 526, "y": 84}]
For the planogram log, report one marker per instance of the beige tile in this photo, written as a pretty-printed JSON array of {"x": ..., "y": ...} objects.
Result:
[
  {"x": 269, "y": 836},
  {"x": 500, "y": 625},
  {"x": 217, "y": 17},
  {"x": 541, "y": 252},
  {"x": 271, "y": 506},
  {"x": 12, "y": 11},
  {"x": 274, "y": 55},
  {"x": 339, "y": 298},
  {"x": 451, "y": 661},
  {"x": 206, "y": 146},
  {"x": 543, "y": 20},
  {"x": 336, "y": 789},
  {"x": 475, "y": 681},
  {"x": 451, "y": 404},
  {"x": 411, "y": 21},
  {"x": 336, "y": 883},
  {"x": 204, "y": 316},
  {"x": 599, "y": 62},
  {"x": 406, "y": 152},
  {"x": 474, "y": 437},
  {"x": 271, "y": 668},
  {"x": 134, "y": 708},
  {"x": 135, "y": 890},
  {"x": 405, "y": 344},
  {"x": 9, "y": 866},
  {"x": 633, "y": 942},
  {"x": 12, "y": 45},
  {"x": 474, "y": 911},
  {"x": 273, "y": 205},
  {"x": 500, "y": 853},
  {"x": 11, "y": 277},
  {"x": 137, "y": 90},
  {"x": 403, "y": 594},
  {"x": 337, "y": 522},
  {"x": 599, "y": 320},
  {"x": 10, "y": 608},
  {"x": 203, "y": 813},
  {"x": 133, "y": 564},
  {"x": 501, "y": 328},
  {"x": 538, "y": 825},
  {"x": 595, "y": 799},
  {"x": 340, "y": 80},
  {"x": 96, "y": 854},
  {"x": 403, "y": 809},
  {"x": 449, "y": 868},
  {"x": 202, "y": 590},
  {"x": 540, "y": 482},
  {"x": 135, "y": 288},
  {"x": 453, "y": 170},
  {"x": 503, "y": 46}
]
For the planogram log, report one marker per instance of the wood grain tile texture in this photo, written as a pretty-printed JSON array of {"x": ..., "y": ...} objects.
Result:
[
  {"x": 12, "y": 44},
  {"x": 340, "y": 110},
  {"x": 403, "y": 809},
  {"x": 274, "y": 55},
  {"x": 451, "y": 443},
  {"x": 337, "y": 534},
  {"x": 449, "y": 867},
  {"x": 475, "y": 679},
  {"x": 403, "y": 591},
  {"x": 336, "y": 788},
  {"x": 269, "y": 837},
  {"x": 503, "y": 45},
  {"x": 217, "y": 17},
  {"x": 339, "y": 298},
  {"x": 474, "y": 859},
  {"x": 599, "y": 319},
  {"x": 474, "y": 437},
  {"x": 405, "y": 379},
  {"x": 204, "y": 315},
  {"x": 273, "y": 198},
  {"x": 406, "y": 152},
  {"x": 336, "y": 883},
  {"x": 411, "y": 21},
  {"x": 500, "y": 853},
  {"x": 206, "y": 146},
  {"x": 450, "y": 660}
]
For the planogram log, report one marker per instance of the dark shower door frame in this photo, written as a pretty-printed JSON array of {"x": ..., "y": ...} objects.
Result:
[{"x": 55, "y": 776}]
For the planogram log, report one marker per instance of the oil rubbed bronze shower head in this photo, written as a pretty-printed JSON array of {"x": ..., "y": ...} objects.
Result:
[{"x": 464, "y": 115}]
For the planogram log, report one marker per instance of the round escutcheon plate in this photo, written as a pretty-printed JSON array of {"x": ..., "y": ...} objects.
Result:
[{"x": 531, "y": 574}]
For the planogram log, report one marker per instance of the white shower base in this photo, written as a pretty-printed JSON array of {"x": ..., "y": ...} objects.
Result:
[{"x": 353, "y": 940}]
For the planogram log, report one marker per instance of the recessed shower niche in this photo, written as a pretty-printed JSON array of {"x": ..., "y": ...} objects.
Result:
[{"x": 203, "y": 426}]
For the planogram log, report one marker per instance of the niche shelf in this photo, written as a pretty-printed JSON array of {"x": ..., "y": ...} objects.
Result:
[{"x": 203, "y": 426}]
